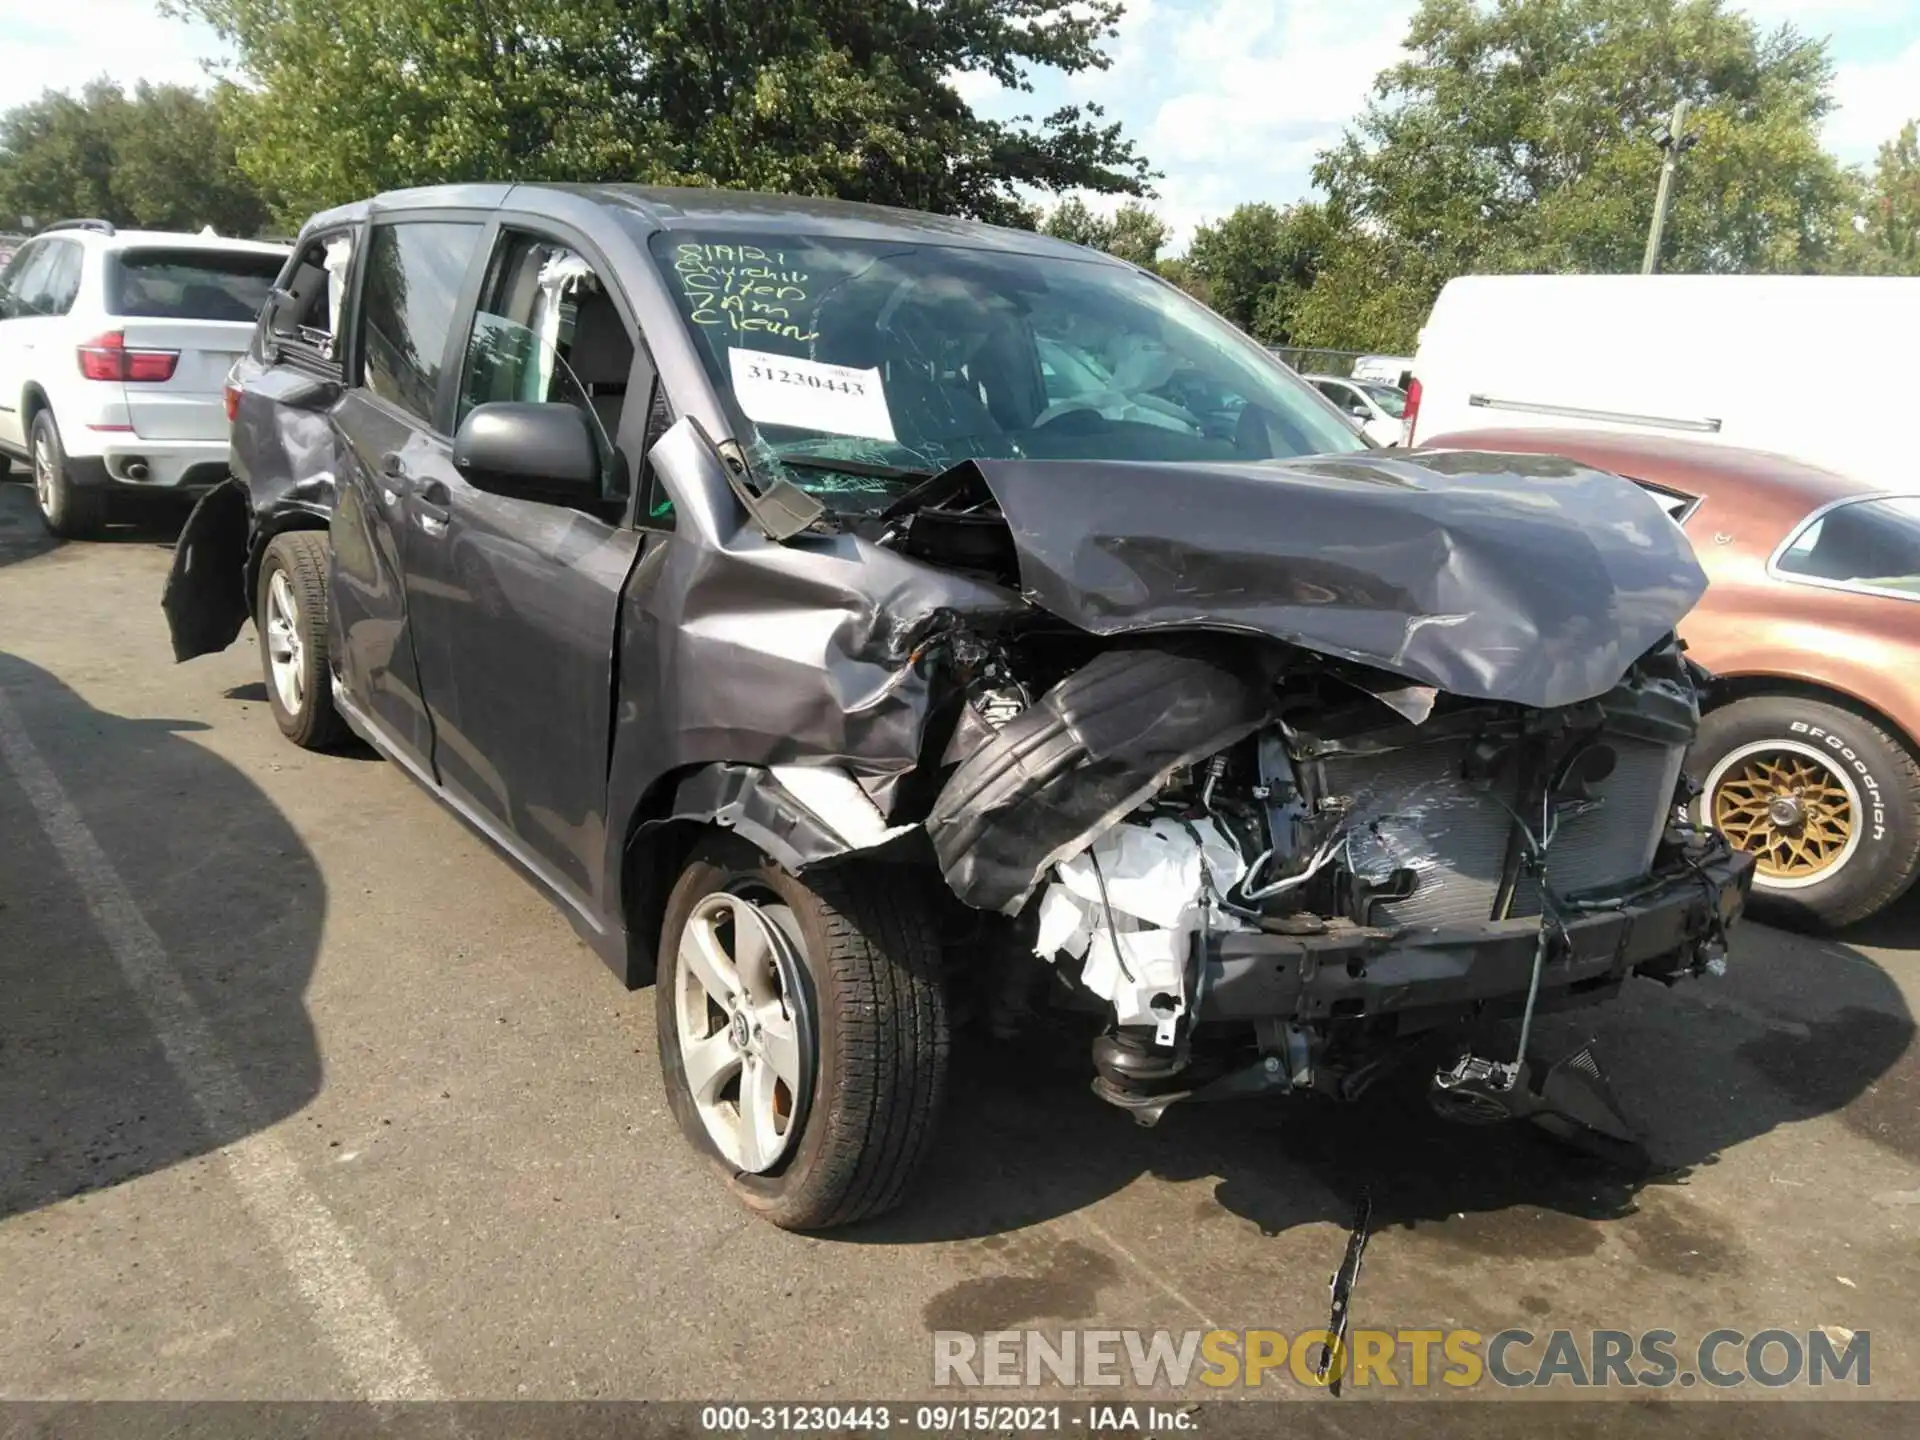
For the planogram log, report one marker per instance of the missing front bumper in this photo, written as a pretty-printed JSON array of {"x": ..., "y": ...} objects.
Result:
[{"x": 1352, "y": 972}]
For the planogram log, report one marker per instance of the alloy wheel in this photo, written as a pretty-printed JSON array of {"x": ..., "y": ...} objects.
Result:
[
  {"x": 285, "y": 653},
  {"x": 1790, "y": 806},
  {"x": 738, "y": 1027},
  {"x": 43, "y": 474}
]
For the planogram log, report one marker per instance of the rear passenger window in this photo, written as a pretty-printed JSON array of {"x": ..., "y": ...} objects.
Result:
[
  {"x": 62, "y": 285},
  {"x": 414, "y": 273},
  {"x": 17, "y": 281}
]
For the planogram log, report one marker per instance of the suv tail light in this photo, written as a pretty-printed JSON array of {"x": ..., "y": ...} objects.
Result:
[
  {"x": 230, "y": 392},
  {"x": 1413, "y": 406},
  {"x": 106, "y": 357}
]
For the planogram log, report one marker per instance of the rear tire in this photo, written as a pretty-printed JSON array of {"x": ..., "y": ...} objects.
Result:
[
  {"x": 870, "y": 1016},
  {"x": 1827, "y": 800},
  {"x": 69, "y": 511},
  {"x": 290, "y": 613}
]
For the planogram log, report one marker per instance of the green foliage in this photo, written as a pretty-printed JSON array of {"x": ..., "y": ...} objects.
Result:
[
  {"x": 1516, "y": 136},
  {"x": 1888, "y": 242},
  {"x": 828, "y": 98},
  {"x": 1134, "y": 233},
  {"x": 161, "y": 157},
  {"x": 1258, "y": 264}
]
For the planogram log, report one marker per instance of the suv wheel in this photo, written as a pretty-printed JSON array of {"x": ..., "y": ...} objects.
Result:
[
  {"x": 290, "y": 613},
  {"x": 802, "y": 1028},
  {"x": 1827, "y": 801},
  {"x": 67, "y": 510}
]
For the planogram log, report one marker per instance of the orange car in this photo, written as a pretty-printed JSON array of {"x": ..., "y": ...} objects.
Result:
[{"x": 1810, "y": 756}]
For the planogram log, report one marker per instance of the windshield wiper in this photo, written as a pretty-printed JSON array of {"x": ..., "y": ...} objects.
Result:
[{"x": 854, "y": 467}]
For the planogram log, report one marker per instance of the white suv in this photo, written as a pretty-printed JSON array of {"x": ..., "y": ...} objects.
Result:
[{"x": 114, "y": 350}]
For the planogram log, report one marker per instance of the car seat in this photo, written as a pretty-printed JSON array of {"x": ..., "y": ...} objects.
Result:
[{"x": 601, "y": 358}]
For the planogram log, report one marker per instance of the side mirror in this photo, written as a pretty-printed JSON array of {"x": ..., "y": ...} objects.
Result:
[{"x": 530, "y": 451}]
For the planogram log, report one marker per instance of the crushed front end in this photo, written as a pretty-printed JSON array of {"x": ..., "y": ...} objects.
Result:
[{"x": 1276, "y": 872}]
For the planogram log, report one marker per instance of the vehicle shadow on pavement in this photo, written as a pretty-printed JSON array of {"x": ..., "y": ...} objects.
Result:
[
  {"x": 22, "y": 536},
  {"x": 94, "y": 1020},
  {"x": 1793, "y": 1031}
]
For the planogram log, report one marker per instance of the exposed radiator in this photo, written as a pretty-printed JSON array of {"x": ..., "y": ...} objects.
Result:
[{"x": 1412, "y": 810}]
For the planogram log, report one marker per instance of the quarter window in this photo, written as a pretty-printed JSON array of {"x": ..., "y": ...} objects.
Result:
[
  {"x": 1863, "y": 544},
  {"x": 414, "y": 273},
  {"x": 317, "y": 281}
]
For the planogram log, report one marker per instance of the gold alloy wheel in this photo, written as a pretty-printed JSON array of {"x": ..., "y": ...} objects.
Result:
[{"x": 1790, "y": 810}]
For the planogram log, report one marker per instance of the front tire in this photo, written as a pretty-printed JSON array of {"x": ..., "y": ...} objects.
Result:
[
  {"x": 290, "y": 613},
  {"x": 1827, "y": 801},
  {"x": 802, "y": 1027},
  {"x": 69, "y": 511}
]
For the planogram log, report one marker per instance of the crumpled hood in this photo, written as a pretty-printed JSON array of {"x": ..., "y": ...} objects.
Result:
[{"x": 1521, "y": 578}]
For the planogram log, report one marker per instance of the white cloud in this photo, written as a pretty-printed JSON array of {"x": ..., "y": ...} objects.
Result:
[
  {"x": 1876, "y": 98},
  {"x": 975, "y": 86},
  {"x": 63, "y": 47},
  {"x": 1266, "y": 89},
  {"x": 1806, "y": 15}
]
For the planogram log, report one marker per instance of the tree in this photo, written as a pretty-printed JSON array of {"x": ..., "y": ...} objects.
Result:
[
  {"x": 56, "y": 156},
  {"x": 1258, "y": 262},
  {"x": 1134, "y": 233},
  {"x": 1516, "y": 136},
  {"x": 160, "y": 158},
  {"x": 1071, "y": 220},
  {"x": 1892, "y": 211},
  {"x": 1137, "y": 235},
  {"x": 819, "y": 98}
]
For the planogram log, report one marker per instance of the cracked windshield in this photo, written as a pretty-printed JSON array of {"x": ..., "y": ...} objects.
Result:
[{"x": 863, "y": 366}]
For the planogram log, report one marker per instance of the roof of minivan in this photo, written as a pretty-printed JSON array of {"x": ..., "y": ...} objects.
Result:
[{"x": 745, "y": 212}]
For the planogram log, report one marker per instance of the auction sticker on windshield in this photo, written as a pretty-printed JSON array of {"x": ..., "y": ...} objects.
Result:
[{"x": 785, "y": 390}]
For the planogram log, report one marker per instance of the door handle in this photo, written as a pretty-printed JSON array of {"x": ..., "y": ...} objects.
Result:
[{"x": 430, "y": 510}]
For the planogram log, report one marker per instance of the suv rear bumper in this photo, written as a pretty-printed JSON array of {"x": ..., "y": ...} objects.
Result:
[
  {"x": 1355, "y": 972},
  {"x": 128, "y": 463}
]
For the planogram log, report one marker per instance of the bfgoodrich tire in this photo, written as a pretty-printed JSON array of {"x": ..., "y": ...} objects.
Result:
[
  {"x": 1827, "y": 800},
  {"x": 802, "y": 1027},
  {"x": 290, "y": 612}
]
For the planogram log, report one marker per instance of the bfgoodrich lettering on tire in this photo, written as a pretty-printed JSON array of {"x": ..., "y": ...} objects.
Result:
[
  {"x": 802, "y": 1028},
  {"x": 1827, "y": 801},
  {"x": 290, "y": 612}
]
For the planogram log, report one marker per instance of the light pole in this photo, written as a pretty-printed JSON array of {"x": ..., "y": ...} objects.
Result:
[{"x": 1672, "y": 141}]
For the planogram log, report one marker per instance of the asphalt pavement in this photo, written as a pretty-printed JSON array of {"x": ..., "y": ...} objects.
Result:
[{"x": 306, "y": 1094}]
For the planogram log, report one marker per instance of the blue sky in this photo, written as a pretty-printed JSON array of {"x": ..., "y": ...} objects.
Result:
[{"x": 1230, "y": 98}]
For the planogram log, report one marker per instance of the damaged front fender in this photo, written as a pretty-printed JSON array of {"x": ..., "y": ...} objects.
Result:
[
  {"x": 1094, "y": 748},
  {"x": 796, "y": 815}
]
